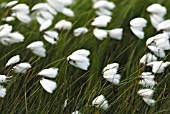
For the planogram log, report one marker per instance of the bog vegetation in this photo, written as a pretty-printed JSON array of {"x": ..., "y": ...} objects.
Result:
[{"x": 84, "y": 56}]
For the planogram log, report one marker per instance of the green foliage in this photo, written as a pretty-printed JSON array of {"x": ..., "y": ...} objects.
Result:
[{"x": 25, "y": 94}]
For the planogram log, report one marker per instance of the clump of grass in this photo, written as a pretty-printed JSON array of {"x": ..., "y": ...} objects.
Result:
[{"x": 25, "y": 94}]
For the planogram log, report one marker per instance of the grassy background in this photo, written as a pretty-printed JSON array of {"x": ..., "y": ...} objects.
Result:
[{"x": 25, "y": 94}]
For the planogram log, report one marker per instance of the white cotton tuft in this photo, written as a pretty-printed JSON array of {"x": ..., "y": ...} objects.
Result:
[
  {"x": 100, "y": 102},
  {"x": 21, "y": 67},
  {"x": 101, "y": 21},
  {"x": 147, "y": 58},
  {"x": 103, "y": 7},
  {"x": 40, "y": 20},
  {"x": 157, "y": 14},
  {"x": 82, "y": 52},
  {"x": 23, "y": 17},
  {"x": 155, "y": 20},
  {"x": 157, "y": 51},
  {"x": 50, "y": 72},
  {"x": 149, "y": 101},
  {"x": 79, "y": 59},
  {"x": 138, "y": 22},
  {"x": 63, "y": 25},
  {"x": 16, "y": 37},
  {"x": 45, "y": 25},
  {"x": 100, "y": 34},
  {"x": 2, "y": 91},
  {"x": 37, "y": 48},
  {"x": 147, "y": 93},
  {"x": 46, "y": 15},
  {"x": 104, "y": 4},
  {"x": 76, "y": 112},
  {"x": 110, "y": 73},
  {"x": 80, "y": 31},
  {"x": 147, "y": 76},
  {"x": 4, "y": 79},
  {"x": 111, "y": 66},
  {"x": 139, "y": 33},
  {"x": 103, "y": 11},
  {"x": 158, "y": 66},
  {"x": 137, "y": 25},
  {"x": 164, "y": 25},
  {"x": 12, "y": 3},
  {"x": 116, "y": 33},
  {"x": 157, "y": 9},
  {"x": 8, "y": 19},
  {"x": 147, "y": 83},
  {"x": 21, "y": 8},
  {"x": 68, "y": 12},
  {"x": 39, "y": 7},
  {"x": 48, "y": 85},
  {"x": 5, "y": 30},
  {"x": 51, "y": 37},
  {"x": 13, "y": 60},
  {"x": 35, "y": 44}
]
